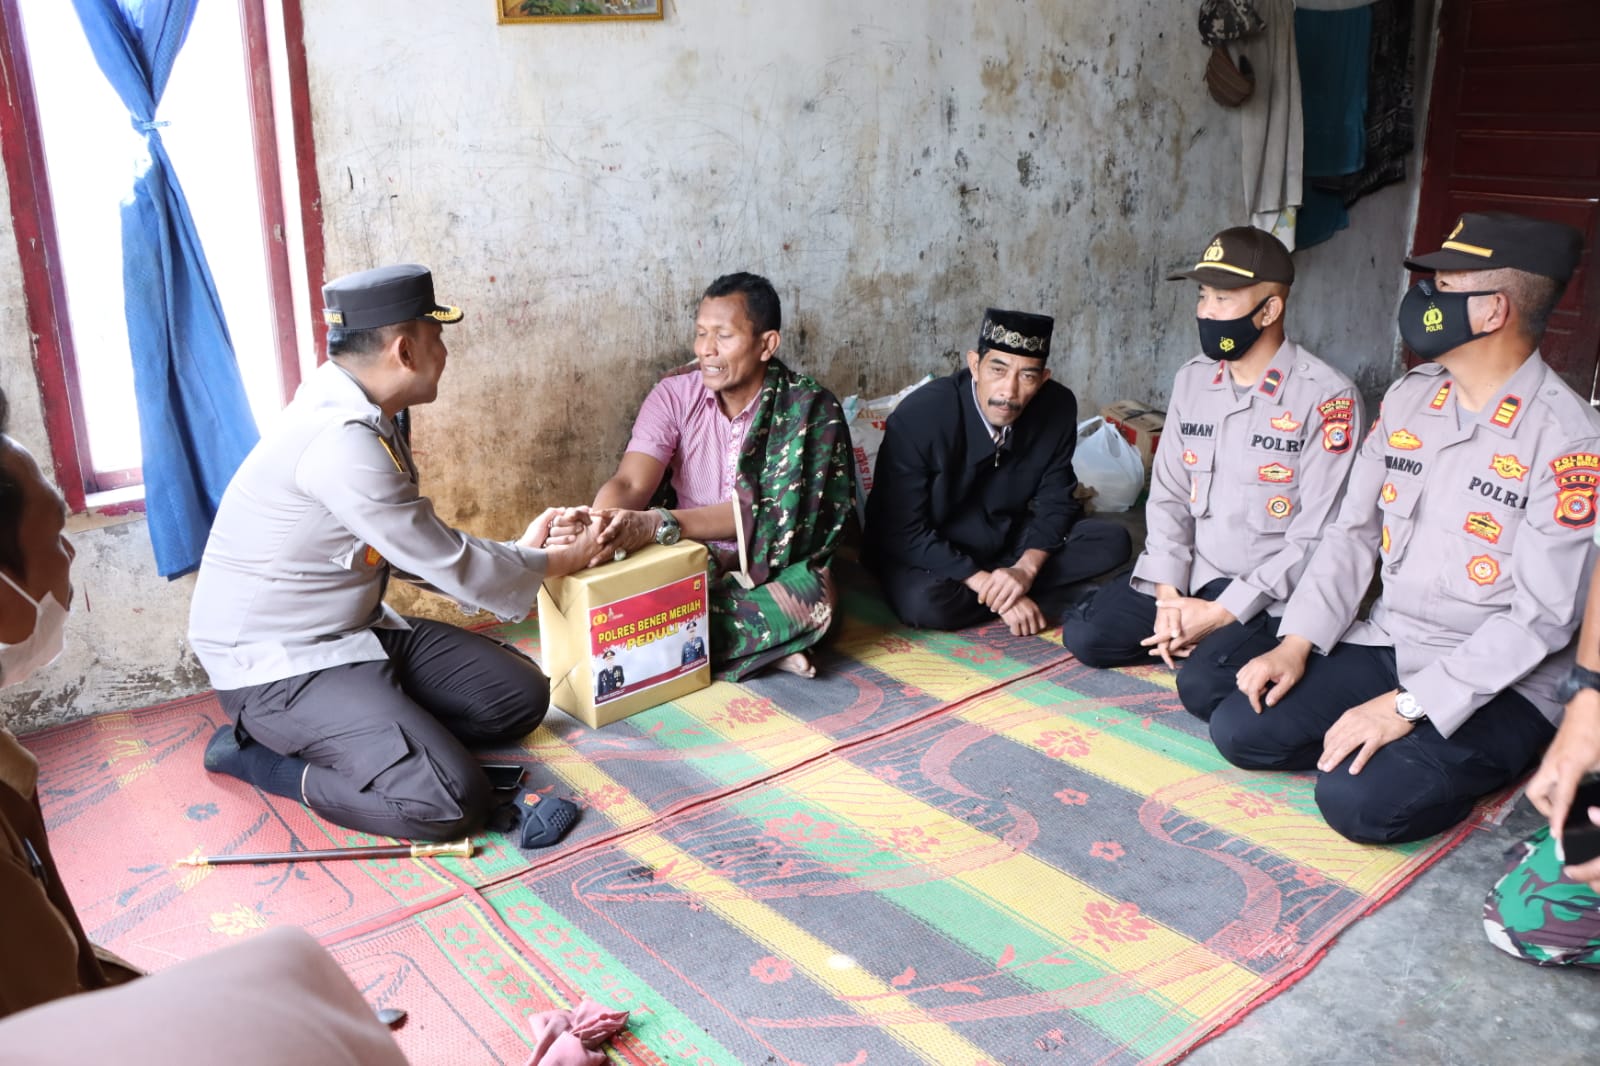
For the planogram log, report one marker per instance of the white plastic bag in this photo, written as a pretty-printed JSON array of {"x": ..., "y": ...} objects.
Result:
[
  {"x": 867, "y": 420},
  {"x": 1108, "y": 464}
]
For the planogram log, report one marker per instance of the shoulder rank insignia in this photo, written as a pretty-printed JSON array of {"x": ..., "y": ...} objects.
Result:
[
  {"x": 1280, "y": 507},
  {"x": 1336, "y": 416},
  {"x": 1218, "y": 379},
  {"x": 1405, "y": 440},
  {"x": 1481, "y": 524},
  {"x": 1275, "y": 473},
  {"x": 1506, "y": 413},
  {"x": 1440, "y": 397},
  {"x": 1285, "y": 422},
  {"x": 1190, "y": 458},
  {"x": 1270, "y": 383},
  {"x": 1483, "y": 570},
  {"x": 1509, "y": 466},
  {"x": 1389, "y": 493},
  {"x": 1577, "y": 475}
]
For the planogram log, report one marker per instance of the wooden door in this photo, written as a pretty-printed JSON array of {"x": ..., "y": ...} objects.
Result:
[{"x": 1514, "y": 125}]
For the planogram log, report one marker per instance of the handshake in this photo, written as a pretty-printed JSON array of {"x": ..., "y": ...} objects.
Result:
[{"x": 575, "y": 538}]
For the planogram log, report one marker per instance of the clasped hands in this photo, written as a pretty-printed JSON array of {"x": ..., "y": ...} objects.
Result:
[
  {"x": 595, "y": 533},
  {"x": 1004, "y": 590},
  {"x": 1183, "y": 622}
]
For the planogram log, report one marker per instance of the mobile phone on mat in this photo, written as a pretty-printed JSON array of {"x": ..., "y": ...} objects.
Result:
[{"x": 505, "y": 776}]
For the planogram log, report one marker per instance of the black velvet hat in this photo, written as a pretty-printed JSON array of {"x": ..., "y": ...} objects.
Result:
[{"x": 1016, "y": 332}]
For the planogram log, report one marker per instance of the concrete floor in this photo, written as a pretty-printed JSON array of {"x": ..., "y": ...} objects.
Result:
[{"x": 1417, "y": 982}]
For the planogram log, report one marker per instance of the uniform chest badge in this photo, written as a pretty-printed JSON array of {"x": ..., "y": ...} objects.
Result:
[
  {"x": 1280, "y": 507},
  {"x": 1190, "y": 458},
  {"x": 1384, "y": 544},
  {"x": 1389, "y": 493},
  {"x": 1481, "y": 524},
  {"x": 1508, "y": 466},
  {"x": 1405, "y": 440},
  {"x": 372, "y": 557},
  {"x": 1577, "y": 476},
  {"x": 1285, "y": 422},
  {"x": 1275, "y": 473},
  {"x": 1194, "y": 489},
  {"x": 1483, "y": 570}
]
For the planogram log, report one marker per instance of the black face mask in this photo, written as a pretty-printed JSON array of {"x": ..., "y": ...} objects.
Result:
[
  {"x": 1433, "y": 322},
  {"x": 1228, "y": 339}
]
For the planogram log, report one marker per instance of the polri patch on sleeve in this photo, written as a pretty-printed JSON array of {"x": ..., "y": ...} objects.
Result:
[
  {"x": 1577, "y": 476},
  {"x": 1336, "y": 417}
]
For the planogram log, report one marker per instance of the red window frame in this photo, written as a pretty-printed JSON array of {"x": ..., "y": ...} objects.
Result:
[{"x": 22, "y": 151}]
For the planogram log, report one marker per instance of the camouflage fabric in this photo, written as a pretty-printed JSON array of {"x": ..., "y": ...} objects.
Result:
[
  {"x": 1537, "y": 914},
  {"x": 795, "y": 494}
]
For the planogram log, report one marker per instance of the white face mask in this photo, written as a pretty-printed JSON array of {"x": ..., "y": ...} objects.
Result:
[{"x": 18, "y": 662}]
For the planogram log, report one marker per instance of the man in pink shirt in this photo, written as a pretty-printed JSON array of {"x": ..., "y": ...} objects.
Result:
[{"x": 740, "y": 444}]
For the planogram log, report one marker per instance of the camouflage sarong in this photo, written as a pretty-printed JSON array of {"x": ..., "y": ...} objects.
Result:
[
  {"x": 795, "y": 496},
  {"x": 1537, "y": 914}
]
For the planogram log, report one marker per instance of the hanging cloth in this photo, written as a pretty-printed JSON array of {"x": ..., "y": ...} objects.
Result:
[
  {"x": 1271, "y": 136},
  {"x": 194, "y": 418}
]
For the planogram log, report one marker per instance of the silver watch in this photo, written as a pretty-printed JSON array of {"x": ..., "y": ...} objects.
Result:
[
  {"x": 1407, "y": 707},
  {"x": 669, "y": 530}
]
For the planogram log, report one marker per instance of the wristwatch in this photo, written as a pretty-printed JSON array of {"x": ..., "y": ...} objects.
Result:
[
  {"x": 1576, "y": 682},
  {"x": 1407, "y": 707},
  {"x": 668, "y": 532}
]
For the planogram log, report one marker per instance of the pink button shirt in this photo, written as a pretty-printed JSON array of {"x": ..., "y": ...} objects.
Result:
[{"x": 681, "y": 425}]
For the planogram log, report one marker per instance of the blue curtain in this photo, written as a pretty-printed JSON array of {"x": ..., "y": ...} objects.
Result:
[{"x": 194, "y": 418}]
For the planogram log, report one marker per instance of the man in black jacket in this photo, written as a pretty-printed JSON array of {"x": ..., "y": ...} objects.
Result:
[{"x": 972, "y": 513}]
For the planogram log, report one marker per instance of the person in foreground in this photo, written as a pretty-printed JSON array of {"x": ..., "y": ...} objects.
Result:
[
  {"x": 1475, "y": 495},
  {"x": 1545, "y": 910},
  {"x": 757, "y": 458},
  {"x": 336, "y": 699},
  {"x": 1259, "y": 437},
  {"x": 972, "y": 514},
  {"x": 56, "y": 1000}
]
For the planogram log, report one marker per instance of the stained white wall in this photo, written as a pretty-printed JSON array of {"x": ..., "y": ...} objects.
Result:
[{"x": 894, "y": 168}]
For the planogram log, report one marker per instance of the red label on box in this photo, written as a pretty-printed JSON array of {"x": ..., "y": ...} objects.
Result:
[{"x": 648, "y": 638}]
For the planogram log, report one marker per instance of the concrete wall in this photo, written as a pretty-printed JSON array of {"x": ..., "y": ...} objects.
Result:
[{"x": 894, "y": 169}]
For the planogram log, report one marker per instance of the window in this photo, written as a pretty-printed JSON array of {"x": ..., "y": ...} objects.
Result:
[{"x": 71, "y": 157}]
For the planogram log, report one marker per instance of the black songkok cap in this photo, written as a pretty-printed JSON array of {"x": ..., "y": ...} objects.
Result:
[
  {"x": 383, "y": 297},
  {"x": 1496, "y": 239},
  {"x": 1016, "y": 332}
]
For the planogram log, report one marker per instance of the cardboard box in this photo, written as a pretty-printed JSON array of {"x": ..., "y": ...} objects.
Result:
[
  {"x": 627, "y": 636},
  {"x": 1139, "y": 425}
]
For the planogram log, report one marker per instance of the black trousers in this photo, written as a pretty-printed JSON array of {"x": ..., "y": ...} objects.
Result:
[
  {"x": 1109, "y": 628},
  {"x": 926, "y": 600},
  {"x": 1420, "y": 785},
  {"x": 387, "y": 741}
]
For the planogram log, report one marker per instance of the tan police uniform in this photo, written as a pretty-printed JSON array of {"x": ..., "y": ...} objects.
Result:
[
  {"x": 1481, "y": 523},
  {"x": 1483, "y": 526},
  {"x": 1243, "y": 484},
  {"x": 365, "y": 715}
]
